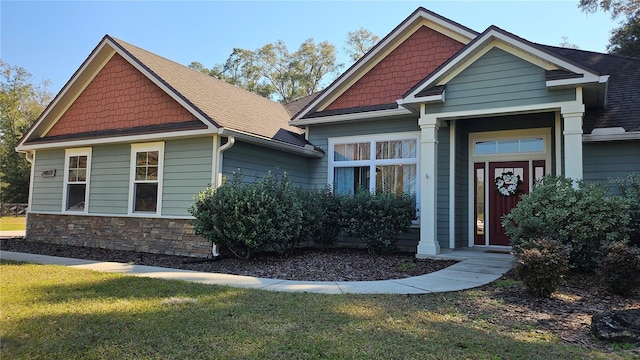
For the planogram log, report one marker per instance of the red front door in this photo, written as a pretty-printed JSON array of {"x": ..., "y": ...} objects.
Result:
[{"x": 507, "y": 181}]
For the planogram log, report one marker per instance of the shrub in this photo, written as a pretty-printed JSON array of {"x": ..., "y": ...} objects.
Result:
[
  {"x": 377, "y": 219},
  {"x": 620, "y": 268},
  {"x": 540, "y": 264},
  {"x": 584, "y": 217},
  {"x": 321, "y": 212},
  {"x": 250, "y": 217}
]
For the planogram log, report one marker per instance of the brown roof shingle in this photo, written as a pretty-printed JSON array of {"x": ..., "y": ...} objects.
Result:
[{"x": 223, "y": 104}]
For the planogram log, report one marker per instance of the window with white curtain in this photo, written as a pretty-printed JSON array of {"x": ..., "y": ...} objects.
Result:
[{"x": 384, "y": 163}]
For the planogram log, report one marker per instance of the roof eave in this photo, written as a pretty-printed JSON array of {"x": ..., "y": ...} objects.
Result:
[
  {"x": 115, "y": 140},
  {"x": 307, "y": 150},
  {"x": 359, "y": 116}
]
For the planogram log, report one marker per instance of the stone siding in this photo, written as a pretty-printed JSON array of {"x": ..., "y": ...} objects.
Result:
[{"x": 152, "y": 235}]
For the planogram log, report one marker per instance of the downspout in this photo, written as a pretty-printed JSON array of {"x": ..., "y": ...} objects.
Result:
[
  {"x": 30, "y": 156},
  {"x": 230, "y": 142}
]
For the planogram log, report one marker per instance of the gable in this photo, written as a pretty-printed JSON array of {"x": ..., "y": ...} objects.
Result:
[
  {"x": 499, "y": 79},
  {"x": 119, "y": 97},
  {"x": 419, "y": 55}
]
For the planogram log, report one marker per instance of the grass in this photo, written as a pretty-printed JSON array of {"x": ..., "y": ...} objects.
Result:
[
  {"x": 10, "y": 223},
  {"x": 55, "y": 312}
]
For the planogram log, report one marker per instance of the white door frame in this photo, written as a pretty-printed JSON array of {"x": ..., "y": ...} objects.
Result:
[{"x": 544, "y": 133}]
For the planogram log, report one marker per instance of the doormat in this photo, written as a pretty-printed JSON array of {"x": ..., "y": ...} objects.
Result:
[{"x": 507, "y": 252}]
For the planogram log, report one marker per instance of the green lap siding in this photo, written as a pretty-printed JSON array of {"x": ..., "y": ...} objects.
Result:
[
  {"x": 497, "y": 80},
  {"x": 255, "y": 162},
  {"x": 187, "y": 171},
  {"x": 47, "y": 191},
  {"x": 109, "y": 185},
  {"x": 610, "y": 162},
  {"x": 443, "y": 191},
  {"x": 462, "y": 189}
]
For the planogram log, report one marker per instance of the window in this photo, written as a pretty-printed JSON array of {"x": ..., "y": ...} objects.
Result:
[
  {"x": 510, "y": 146},
  {"x": 77, "y": 166},
  {"x": 145, "y": 192},
  {"x": 386, "y": 163}
]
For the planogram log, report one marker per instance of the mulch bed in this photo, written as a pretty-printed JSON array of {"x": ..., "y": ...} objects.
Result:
[{"x": 303, "y": 264}]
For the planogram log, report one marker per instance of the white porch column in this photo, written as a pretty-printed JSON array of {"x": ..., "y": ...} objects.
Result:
[
  {"x": 572, "y": 118},
  {"x": 428, "y": 244}
]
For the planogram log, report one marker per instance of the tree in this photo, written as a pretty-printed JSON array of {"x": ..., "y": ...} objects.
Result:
[
  {"x": 274, "y": 72},
  {"x": 624, "y": 40},
  {"x": 359, "y": 42},
  {"x": 566, "y": 44},
  {"x": 21, "y": 103}
]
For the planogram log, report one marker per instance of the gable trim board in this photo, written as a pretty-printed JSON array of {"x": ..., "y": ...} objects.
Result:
[
  {"x": 420, "y": 17},
  {"x": 488, "y": 85},
  {"x": 495, "y": 37}
]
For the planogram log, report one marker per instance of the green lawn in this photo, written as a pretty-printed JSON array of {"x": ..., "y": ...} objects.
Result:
[
  {"x": 8, "y": 223},
  {"x": 55, "y": 312}
]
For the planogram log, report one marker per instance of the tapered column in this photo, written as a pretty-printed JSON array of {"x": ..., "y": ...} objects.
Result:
[
  {"x": 428, "y": 244},
  {"x": 572, "y": 134}
]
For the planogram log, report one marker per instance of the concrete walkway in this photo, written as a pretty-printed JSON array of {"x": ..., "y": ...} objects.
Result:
[{"x": 476, "y": 268}]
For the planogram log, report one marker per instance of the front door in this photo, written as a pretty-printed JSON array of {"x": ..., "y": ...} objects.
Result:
[{"x": 507, "y": 181}]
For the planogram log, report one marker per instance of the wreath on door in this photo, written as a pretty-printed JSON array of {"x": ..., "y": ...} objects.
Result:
[{"x": 508, "y": 183}]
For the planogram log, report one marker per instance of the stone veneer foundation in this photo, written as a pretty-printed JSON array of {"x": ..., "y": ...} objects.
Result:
[{"x": 152, "y": 235}]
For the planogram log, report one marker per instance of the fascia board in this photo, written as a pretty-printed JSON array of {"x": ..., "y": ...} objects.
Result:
[
  {"x": 351, "y": 117},
  {"x": 589, "y": 79},
  {"x": 116, "y": 139},
  {"x": 91, "y": 59},
  {"x": 106, "y": 48},
  {"x": 271, "y": 143},
  {"x": 632, "y": 135}
]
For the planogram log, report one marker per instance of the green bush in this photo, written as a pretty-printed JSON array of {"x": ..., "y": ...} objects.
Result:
[
  {"x": 250, "y": 217},
  {"x": 319, "y": 217},
  {"x": 584, "y": 216},
  {"x": 540, "y": 264},
  {"x": 377, "y": 219},
  {"x": 630, "y": 191},
  {"x": 620, "y": 268}
]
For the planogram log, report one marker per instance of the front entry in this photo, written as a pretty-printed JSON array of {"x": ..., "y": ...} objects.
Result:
[
  {"x": 498, "y": 187},
  {"x": 514, "y": 177}
]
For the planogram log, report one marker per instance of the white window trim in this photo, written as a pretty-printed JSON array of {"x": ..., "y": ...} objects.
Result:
[
  {"x": 86, "y": 151},
  {"x": 135, "y": 148},
  {"x": 372, "y": 162}
]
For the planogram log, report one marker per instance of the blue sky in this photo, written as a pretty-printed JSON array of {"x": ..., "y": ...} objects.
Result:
[{"x": 50, "y": 39}]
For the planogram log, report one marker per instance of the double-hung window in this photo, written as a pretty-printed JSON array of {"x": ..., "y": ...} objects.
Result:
[
  {"x": 77, "y": 172},
  {"x": 145, "y": 191},
  {"x": 385, "y": 163}
]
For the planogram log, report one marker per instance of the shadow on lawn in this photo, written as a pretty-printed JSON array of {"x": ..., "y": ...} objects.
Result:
[{"x": 104, "y": 316}]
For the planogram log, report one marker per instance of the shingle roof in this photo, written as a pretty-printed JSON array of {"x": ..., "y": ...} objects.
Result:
[
  {"x": 223, "y": 104},
  {"x": 622, "y": 108}
]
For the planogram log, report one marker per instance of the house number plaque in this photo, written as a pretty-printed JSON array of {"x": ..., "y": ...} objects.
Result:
[{"x": 48, "y": 173}]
